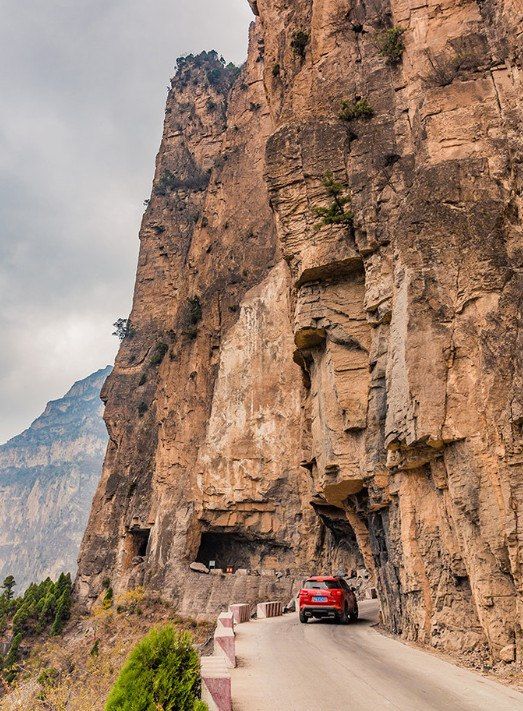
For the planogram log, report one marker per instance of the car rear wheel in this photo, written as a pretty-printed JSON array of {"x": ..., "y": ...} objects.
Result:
[
  {"x": 354, "y": 614},
  {"x": 344, "y": 616},
  {"x": 303, "y": 618}
]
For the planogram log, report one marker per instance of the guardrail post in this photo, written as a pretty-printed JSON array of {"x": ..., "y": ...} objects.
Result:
[
  {"x": 224, "y": 645},
  {"x": 216, "y": 684},
  {"x": 226, "y": 619},
  {"x": 241, "y": 612},
  {"x": 268, "y": 609}
]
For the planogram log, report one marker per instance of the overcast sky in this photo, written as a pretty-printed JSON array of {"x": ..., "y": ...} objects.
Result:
[{"x": 82, "y": 92}]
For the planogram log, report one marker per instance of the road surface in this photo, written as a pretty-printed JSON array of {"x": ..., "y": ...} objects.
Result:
[{"x": 287, "y": 666}]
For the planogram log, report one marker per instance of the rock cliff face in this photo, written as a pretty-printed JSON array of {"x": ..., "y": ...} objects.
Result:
[
  {"x": 48, "y": 475},
  {"x": 325, "y": 361}
]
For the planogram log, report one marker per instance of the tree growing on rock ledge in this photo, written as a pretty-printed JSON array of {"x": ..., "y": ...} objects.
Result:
[
  {"x": 123, "y": 328},
  {"x": 337, "y": 213}
]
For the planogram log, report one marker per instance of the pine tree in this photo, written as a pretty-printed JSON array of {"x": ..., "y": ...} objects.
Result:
[
  {"x": 48, "y": 609},
  {"x": 8, "y": 586},
  {"x": 63, "y": 583},
  {"x": 21, "y": 617},
  {"x": 63, "y": 610},
  {"x": 14, "y": 651}
]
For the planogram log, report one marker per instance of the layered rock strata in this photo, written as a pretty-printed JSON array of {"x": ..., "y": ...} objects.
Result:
[{"x": 325, "y": 367}]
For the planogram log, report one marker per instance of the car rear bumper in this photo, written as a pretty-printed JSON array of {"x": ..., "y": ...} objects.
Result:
[{"x": 320, "y": 610}]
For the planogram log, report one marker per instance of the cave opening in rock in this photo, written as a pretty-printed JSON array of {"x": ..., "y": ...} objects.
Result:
[
  {"x": 136, "y": 544},
  {"x": 232, "y": 550}
]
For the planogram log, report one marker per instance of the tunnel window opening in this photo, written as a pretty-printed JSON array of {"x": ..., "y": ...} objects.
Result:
[
  {"x": 337, "y": 544},
  {"x": 136, "y": 544},
  {"x": 141, "y": 541},
  {"x": 231, "y": 550}
]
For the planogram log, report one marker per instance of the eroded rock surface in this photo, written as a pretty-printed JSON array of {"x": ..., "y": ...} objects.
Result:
[
  {"x": 48, "y": 476},
  {"x": 304, "y": 393}
]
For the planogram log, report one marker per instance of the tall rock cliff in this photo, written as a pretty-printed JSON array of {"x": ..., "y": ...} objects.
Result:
[
  {"x": 48, "y": 475},
  {"x": 324, "y": 365}
]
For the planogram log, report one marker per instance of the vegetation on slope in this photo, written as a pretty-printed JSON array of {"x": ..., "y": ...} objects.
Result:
[
  {"x": 42, "y": 610},
  {"x": 78, "y": 668}
]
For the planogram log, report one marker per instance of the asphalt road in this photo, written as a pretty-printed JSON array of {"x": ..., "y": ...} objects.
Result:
[{"x": 320, "y": 666}]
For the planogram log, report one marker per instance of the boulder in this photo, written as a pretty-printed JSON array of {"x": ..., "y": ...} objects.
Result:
[
  {"x": 199, "y": 568},
  {"x": 507, "y": 653}
]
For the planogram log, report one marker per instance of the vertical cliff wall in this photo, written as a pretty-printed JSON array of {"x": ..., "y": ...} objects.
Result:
[
  {"x": 324, "y": 367},
  {"x": 48, "y": 476}
]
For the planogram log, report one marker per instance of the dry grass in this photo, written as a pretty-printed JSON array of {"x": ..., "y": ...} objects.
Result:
[{"x": 83, "y": 672}]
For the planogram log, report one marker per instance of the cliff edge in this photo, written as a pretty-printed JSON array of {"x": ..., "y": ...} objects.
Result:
[{"x": 324, "y": 365}]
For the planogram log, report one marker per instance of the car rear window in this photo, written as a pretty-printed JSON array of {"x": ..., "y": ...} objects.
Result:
[{"x": 321, "y": 585}]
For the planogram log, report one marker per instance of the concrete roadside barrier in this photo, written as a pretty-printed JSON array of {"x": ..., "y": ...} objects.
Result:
[
  {"x": 226, "y": 619},
  {"x": 268, "y": 609},
  {"x": 216, "y": 684},
  {"x": 241, "y": 613},
  {"x": 225, "y": 645}
]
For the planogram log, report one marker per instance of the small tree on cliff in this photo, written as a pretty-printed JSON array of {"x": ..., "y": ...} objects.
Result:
[
  {"x": 162, "y": 672},
  {"x": 7, "y": 587},
  {"x": 123, "y": 328}
]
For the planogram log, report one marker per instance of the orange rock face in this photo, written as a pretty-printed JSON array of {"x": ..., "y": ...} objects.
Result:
[{"x": 324, "y": 367}]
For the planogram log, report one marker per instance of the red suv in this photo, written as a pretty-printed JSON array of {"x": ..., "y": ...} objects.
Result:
[{"x": 328, "y": 596}]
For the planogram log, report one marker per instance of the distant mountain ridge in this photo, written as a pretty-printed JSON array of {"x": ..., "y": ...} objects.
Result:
[{"x": 48, "y": 475}]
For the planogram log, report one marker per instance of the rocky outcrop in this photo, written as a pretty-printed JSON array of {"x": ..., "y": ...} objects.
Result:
[
  {"x": 325, "y": 365},
  {"x": 48, "y": 475}
]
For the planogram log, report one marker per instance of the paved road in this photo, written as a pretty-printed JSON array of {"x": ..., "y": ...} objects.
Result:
[{"x": 287, "y": 666}]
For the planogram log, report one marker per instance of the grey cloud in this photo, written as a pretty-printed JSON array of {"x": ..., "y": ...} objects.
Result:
[{"x": 82, "y": 94}]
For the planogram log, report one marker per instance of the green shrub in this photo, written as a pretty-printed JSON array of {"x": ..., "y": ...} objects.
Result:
[
  {"x": 336, "y": 213},
  {"x": 123, "y": 328},
  {"x": 391, "y": 45},
  {"x": 276, "y": 70},
  {"x": 168, "y": 182},
  {"x": 159, "y": 353},
  {"x": 48, "y": 677},
  {"x": 162, "y": 672},
  {"x": 358, "y": 109},
  {"x": 299, "y": 43},
  {"x": 142, "y": 408},
  {"x": 215, "y": 75},
  {"x": 107, "y": 601},
  {"x": 190, "y": 316}
]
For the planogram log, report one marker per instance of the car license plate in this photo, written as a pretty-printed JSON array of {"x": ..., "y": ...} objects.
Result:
[{"x": 319, "y": 599}]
